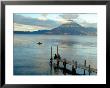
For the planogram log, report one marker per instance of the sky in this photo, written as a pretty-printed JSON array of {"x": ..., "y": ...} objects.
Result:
[
  {"x": 35, "y": 21},
  {"x": 87, "y": 17}
]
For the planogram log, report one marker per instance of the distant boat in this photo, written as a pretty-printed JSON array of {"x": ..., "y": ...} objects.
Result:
[{"x": 39, "y": 43}]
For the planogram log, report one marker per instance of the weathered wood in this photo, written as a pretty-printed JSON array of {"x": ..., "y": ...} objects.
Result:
[
  {"x": 65, "y": 70},
  {"x": 73, "y": 63},
  {"x": 57, "y": 50},
  {"x": 64, "y": 64},
  {"x": 73, "y": 70},
  {"x": 89, "y": 70},
  {"x": 51, "y": 56},
  {"x": 84, "y": 66},
  {"x": 76, "y": 64},
  {"x": 57, "y": 63},
  {"x": 51, "y": 51}
]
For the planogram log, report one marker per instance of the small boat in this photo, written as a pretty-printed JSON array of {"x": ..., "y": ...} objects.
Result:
[{"x": 39, "y": 43}]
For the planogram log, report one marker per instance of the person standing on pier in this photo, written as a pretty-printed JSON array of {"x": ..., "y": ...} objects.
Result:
[{"x": 55, "y": 57}]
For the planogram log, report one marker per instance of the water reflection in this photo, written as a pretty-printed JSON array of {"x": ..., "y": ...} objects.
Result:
[{"x": 27, "y": 53}]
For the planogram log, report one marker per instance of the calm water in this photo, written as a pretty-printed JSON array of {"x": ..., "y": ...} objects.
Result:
[{"x": 33, "y": 59}]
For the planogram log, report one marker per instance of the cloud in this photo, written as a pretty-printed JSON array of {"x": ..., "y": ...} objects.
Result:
[
  {"x": 69, "y": 16},
  {"x": 42, "y": 18},
  {"x": 22, "y": 27},
  {"x": 87, "y": 24},
  {"x": 41, "y": 21},
  {"x": 63, "y": 21},
  {"x": 45, "y": 14}
]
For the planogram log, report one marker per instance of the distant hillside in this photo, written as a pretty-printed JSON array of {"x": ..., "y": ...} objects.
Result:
[
  {"x": 66, "y": 29},
  {"x": 73, "y": 29},
  {"x": 34, "y": 32}
]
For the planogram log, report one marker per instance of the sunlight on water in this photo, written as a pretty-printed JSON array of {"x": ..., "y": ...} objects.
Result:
[{"x": 31, "y": 58}]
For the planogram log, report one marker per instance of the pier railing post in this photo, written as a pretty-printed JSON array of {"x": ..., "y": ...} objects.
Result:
[
  {"x": 73, "y": 70},
  {"x": 84, "y": 66},
  {"x": 57, "y": 50},
  {"x": 51, "y": 51},
  {"x": 76, "y": 64},
  {"x": 57, "y": 62},
  {"x": 89, "y": 70},
  {"x": 51, "y": 56},
  {"x": 73, "y": 61},
  {"x": 64, "y": 63}
]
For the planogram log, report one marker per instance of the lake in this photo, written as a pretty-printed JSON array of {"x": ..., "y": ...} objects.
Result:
[{"x": 31, "y": 58}]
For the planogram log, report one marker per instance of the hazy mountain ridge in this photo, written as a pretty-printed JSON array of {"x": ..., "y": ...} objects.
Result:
[{"x": 72, "y": 28}]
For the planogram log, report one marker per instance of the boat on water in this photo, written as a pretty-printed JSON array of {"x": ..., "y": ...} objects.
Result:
[{"x": 39, "y": 43}]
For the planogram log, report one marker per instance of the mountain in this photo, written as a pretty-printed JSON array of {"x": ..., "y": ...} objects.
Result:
[{"x": 72, "y": 28}]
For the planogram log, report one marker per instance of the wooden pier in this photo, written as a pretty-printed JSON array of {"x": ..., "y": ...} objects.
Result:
[{"x": 55, "y": 62}]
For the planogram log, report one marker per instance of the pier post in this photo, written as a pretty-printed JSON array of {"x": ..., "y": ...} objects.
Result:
[
  {"x": 57, "y": 62},
  {"x": 89, "y": 70},
  {"x": 57, "y": 50},
  {"x": 57, "y": 57},
  {"x": 73, "y": 61},
  {"x": 64, "y": 64},
  {"x": 51, "y": 51},
  {"x": 51, "y": 56},
  {"x": 73, "y": 70},
  {"x": 76, "y": 64},
  {"x": 84, "y": 66}
]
